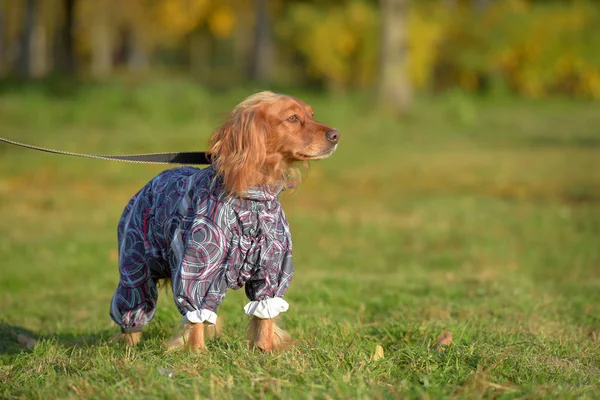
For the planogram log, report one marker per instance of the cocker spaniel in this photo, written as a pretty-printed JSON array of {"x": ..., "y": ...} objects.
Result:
[{"x": 208, "y": 230}]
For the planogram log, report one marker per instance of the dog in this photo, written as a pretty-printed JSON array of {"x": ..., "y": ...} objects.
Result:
[{"x": 222, "y": 227}]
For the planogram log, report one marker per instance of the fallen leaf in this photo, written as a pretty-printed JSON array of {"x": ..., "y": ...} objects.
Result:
[
  {"x": 27, "y": 341},
  {"x": 444, "y": 340},
  {"x": 377, "y": 354}
]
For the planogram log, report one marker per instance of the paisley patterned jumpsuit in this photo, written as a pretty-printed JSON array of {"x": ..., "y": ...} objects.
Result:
[{"x": 183, "y": 226}]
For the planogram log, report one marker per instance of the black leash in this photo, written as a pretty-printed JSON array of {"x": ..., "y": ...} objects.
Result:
[{"x": 186, "y": 157}]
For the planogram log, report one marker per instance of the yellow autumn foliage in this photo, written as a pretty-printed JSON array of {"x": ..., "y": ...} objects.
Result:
[
  {"x": 179, "y": 17},
  {"x": 530, "y": 48},
  {"x": 425, "y": 32},
  {"x": 222, "y": 21},
  {"x": 533, "y": 49},
  {"x": 332, "y": 39}
]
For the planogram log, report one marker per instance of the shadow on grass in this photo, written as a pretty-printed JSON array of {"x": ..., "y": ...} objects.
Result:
[
  {"x": 13, "y": 339},
  {"x": 8, "y": 339}
]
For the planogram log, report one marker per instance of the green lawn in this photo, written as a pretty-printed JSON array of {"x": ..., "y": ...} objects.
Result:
[{"x": 472, "y": 216}]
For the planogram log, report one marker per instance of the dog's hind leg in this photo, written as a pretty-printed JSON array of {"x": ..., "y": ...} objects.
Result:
[
  {"x": 134, "y": 302},
  {"x": 130, "y": 339},
  {"x": 132, "y": 308}
]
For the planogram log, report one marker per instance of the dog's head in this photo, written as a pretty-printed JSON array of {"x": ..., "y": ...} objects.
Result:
[{"x": 264, "y": 138}]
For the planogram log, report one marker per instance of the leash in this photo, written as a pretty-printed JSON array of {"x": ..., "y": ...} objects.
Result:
[{"x": 186, "y": 157}]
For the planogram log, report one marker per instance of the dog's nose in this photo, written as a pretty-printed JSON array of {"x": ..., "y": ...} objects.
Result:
[{"x": 333, "y": 136}]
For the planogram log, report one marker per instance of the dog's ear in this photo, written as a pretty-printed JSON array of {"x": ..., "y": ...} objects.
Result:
[{"x": 238, "y": 148}]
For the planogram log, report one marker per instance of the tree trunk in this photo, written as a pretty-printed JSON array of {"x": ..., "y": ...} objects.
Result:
[
  {"x": 395, "y": 92},
  {"x": 262, "y": 52},
  {"x": 22, "y": 63},
  {"x": 38, "y": 57},
  {"x": 451, "y": 3},
  {"x": 102, "y": 43},
  {"x": 130, "y": 50},
  {"x": 3, "y": 56},
  {"x": 199, "y": 51},
  {"x": 65, "y": 57},
  {"x": 482, "y": 5},
  {"x": 137, "y": 56}
]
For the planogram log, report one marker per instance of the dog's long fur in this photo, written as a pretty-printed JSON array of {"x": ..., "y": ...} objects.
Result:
[
  {"x": 245, "y": 155},
  {"x": 267, "y": 140}
]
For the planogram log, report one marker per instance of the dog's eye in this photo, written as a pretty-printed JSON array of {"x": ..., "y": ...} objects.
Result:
[{"x": 293, "y": 118}]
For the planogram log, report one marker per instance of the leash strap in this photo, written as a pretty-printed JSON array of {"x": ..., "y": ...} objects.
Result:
[{"x": 186, "y": 157}]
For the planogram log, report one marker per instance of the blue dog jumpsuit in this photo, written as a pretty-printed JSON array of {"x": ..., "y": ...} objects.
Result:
[{"x": 182, "y": 225}]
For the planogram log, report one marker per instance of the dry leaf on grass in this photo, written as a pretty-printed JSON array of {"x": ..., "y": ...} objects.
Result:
[
  {"x": 377, "y": 354},
  {"x": 444, "y": 340},
  {"x": 27, "y": 341}
]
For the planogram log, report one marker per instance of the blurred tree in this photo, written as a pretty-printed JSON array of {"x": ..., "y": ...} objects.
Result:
[
  {"x": 481, "y": 5},
  {"x": 134, "y": 34},
  {"x": 39, "y": 60},
  {"x": 101, "y": 20},
  {"x": 530, "y": 47},
  {"x": 333, "y": 44},
  {"x": 177, "y": 18},
  {"x": 3, "y": 54},
  {"x": 395, "y": 92},
  {"x": 64, "y": 57},
  {"x": 22, "y": 62},
  {"x": 261, "y": 56},
  {"x": 478, "y": 4},
  {"x": 131, "y": 51}
]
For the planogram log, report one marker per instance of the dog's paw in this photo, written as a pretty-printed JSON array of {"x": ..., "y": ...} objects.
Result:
[
  {"x": 192, "y": 336},
  {"x": 212, "y": 331},
  {"x": 282, "y": 340},
  {"x": 130, "y": 339},
  {"x": 178, "y": 341},
  {"x": 265, "y": 335}
]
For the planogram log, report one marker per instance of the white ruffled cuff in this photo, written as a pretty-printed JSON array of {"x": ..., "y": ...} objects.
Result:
[
  {"x": 199, "y": 317},
  {"x": 268, "y": 308}
]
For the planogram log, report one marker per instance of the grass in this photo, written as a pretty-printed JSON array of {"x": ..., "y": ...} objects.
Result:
[{"x": 472, "y": 216}]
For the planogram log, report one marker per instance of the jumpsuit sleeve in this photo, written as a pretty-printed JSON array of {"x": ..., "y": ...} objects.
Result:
[
  {"x": 199, "y": 285},
  {"x": 270, "y": 282}
]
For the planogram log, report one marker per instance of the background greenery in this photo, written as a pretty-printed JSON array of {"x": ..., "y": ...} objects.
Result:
[
  {"x": 533, "y": 48},
  {"x": 475, "y": 216}
]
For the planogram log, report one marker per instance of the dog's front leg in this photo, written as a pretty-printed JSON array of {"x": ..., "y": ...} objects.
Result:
[
  {"x": 195, "y": 338},
  {"x": 182, "y": 340},
  {"x": 260, "y": 333},
  {"x": 266, "y": 335}
]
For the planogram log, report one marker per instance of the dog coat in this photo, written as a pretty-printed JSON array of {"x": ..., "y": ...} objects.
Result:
[{"x": 182, "y": 225}]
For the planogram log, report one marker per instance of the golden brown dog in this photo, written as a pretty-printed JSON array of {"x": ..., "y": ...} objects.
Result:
[{"x": 262, "y": 148}]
